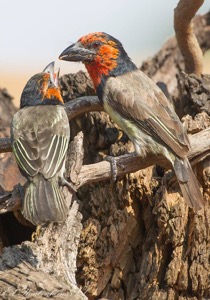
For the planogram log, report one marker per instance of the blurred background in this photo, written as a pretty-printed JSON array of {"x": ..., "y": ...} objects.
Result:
[{"x": 34, "y": 33}]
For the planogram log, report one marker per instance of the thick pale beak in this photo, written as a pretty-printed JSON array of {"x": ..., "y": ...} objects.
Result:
[
  {"x": 54, "y": 75},
  {"x": 77, "y": 52},
  {"x": 49, "y": 68}
]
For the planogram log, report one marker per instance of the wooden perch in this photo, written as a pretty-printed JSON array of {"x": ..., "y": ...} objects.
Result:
[
  {"x": 187, "y": 42},
  {"x": 74, "y": 108},
  {"x": 101, "y": 171},
  {"x": 200, "y": 145},
  {"x": 5, "y": 145}
]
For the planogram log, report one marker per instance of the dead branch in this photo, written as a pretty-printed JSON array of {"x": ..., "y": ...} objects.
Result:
[
  {"x": 187, "y": 42},
  {"x": 74, "y": 108},
  {"x": 5, "y": 145},
  {"x": 82, "y": 105},
  {"x": 34, "y": 284},
  {"x": 200, "y": 149},
  {"x": 75, "y": 158},
  {"x": 200, "y": 144}
]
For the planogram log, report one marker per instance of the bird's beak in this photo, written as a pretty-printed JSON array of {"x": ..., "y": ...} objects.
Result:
[
  {"x": 56, "y": 77},
  {"x": 54, "y": 74},
  {"x": 77, "y": 52},
  {"x": 49, "y": 68}
]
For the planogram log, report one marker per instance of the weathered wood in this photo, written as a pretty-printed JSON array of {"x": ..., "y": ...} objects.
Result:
[
  {"x": 86, "y": 174},
  {"x": 200, "y": 144},
  {"x": 21, "y": 278},
  {"x": 187, "y": 42},
  {"x": 5, "y": 145},
  {"x": 74, "y": 109}
]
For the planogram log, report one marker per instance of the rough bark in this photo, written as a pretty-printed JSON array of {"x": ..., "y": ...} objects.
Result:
[
  {"x": 137, "y": 238},
  {"x": 194, "y": 94}
]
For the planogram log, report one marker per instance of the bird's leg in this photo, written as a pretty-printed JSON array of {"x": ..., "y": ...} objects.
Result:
[
  {"x": 114, "y": 163},
  {"x": 21, "y": 191},
  {"x": 63, "y": 182},
  {"x": 36, "y": 233}
]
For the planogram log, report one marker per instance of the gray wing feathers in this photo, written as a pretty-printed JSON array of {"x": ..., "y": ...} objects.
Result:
[
  {"x": 139, "y": 99},
  {"x": 44, "y": 201},
  {"x": 40, "y": 137}
]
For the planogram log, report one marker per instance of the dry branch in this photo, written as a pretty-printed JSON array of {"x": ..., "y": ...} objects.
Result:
[
  {"x": 200, "y": 145},
  {"x": 5, "y": 145},
  {"x": 74, "y": 108},
  {"x": 187, "y": 42},
  {"x": 200, "y": 149}
]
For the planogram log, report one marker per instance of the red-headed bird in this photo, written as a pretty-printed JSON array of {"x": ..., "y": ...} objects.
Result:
[
  {"x": 137, "y": 105},
  {"x": 40, "y": 137}
]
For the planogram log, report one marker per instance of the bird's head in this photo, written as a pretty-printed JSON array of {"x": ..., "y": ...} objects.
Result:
[
  {"x": 102, "y": 54},
  {"x": 42, "y": 89}
]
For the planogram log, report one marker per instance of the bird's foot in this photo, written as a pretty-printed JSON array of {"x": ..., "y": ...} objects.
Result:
[
  {"x": 115, "y": 162},
  {"x": 36, "y": 233},
  {"x": 172, "y": 180},
  {"x": 71, "y": 186},
  {"x": 20, "y": 189}
]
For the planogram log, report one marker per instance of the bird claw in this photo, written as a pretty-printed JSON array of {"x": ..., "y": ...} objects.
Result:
[
  {"x": 36, "y": 233},
  {"x": 113, "y": 163},
  {"x": 71, "y": 186},
  {"x": 20, "y": 189}
]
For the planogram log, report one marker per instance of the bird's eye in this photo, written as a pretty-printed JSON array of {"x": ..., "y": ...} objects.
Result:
[{"x": 96, "y": 44}]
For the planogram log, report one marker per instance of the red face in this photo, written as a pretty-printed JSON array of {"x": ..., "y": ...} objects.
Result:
[
  {"x": 105, "y": 55},
  {"x": 50, "y": 91},
  {"x": 98, "y": 51}
]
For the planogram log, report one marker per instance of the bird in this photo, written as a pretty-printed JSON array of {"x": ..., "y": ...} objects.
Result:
[
  {"x": 137, "y": 105},
  {"x": 40, "y": 136}
]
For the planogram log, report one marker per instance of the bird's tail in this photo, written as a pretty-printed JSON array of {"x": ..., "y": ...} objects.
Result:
[
  {"x": 188, "y": 183},
  {"x": 43, "y": 201}
]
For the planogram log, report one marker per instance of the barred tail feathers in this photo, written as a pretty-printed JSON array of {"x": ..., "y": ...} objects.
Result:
[
  {"x": 188, "y": 183},
  {"x": 44, "y": 202}
]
